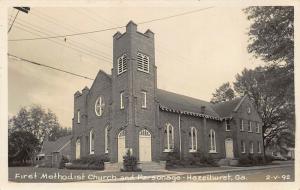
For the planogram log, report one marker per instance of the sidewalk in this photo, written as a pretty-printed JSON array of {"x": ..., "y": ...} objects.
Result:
[{"x": 195, "y": 171}]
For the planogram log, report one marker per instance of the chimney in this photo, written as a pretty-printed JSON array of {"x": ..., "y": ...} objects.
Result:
[{"x": 202, "y": 109}]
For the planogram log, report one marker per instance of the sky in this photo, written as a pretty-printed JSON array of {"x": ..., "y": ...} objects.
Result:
[{"x": 195, "y": 53}]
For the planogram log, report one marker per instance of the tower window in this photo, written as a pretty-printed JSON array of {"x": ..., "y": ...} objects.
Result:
[
  {"x": 78, "y": 116},
  {"x": 122, "y": 100},
  {"x": 241, "y": 125},
  {"x": 143, "y": 62},
  {"x": 251, "y": 148},
  {"x": 243, "y": 147},
  {"x": 122, "y": 64},
  {"x": 144, "y": 99}
]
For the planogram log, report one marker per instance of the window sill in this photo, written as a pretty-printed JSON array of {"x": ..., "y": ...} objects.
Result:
[
  {"x": 227, "y": 130},
  {"x": 243, "y": 152},
  {"x": 250, "y": 131},
  {"x": 192, "y": 151},
  {"x": 212, "y": 152},
  {"x": 168, "y": 150},
  {"x": 143, "y": 71},
  {"x": 91, "y": 153}
]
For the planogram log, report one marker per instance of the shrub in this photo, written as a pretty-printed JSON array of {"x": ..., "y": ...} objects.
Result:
[
  {"x": 208, "y": 160},
  {"x": 251, "y": 160},
  {"x": 63, "y": 161},
  {"x": 91, "y": 162},
  {"x": 268, "y": 159},
  {"x": 130, "y": 163}
]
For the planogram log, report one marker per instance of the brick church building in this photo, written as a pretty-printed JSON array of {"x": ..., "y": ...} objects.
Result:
[{"x": 126, "y": 111}]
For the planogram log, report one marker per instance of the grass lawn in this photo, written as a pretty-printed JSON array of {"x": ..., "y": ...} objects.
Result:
[{"x": 54, "y": 175}]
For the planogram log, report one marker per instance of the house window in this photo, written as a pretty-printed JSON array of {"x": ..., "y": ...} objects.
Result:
[
  {"x": 99, "y": 106},
  {"x": 251, "y": 148},
  {"x": 249, "y": 110},
  {"x": 258, "y": 147},
  {"x": 249, "y": 126},
  {"x": 168, "y": 138},
  {"x": 92, "y": 142},
  {"x": 212, "y": 140},
  {"x": 257, "y": 128},
  {"x": 241, "y": 125},
  {"x": 227, "y": 125},
  {"x": 143, "y": 62},
  {"x": 243, "y": 147},
  {"x": 122, "y": 64},
  {"x": 106, "y": 145},
  {"x": 122, "y": 100},
  {"x": 144, "y": 99},
  {"x": 78, "y": 116},
  {"x": 77, "y": 153},
  {"x": 193, "y": 139}
]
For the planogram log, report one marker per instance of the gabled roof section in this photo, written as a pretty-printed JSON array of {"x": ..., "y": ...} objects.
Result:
[
  {"x": 225, "y": 109},
  {"x": 185, "y": 104},
  {"x": 54, "y": 146}
]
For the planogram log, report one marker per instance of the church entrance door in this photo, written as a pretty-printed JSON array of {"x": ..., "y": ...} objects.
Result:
[
  {"x": 121, "y": 145},
  {"x": 145, "y": 146},
  {"x": 229, "y": 148}
]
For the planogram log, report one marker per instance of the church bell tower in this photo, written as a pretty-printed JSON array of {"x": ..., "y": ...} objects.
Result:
[{"x": 134, "y": 91}]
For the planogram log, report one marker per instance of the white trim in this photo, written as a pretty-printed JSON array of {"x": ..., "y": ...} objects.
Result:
[
  {"x": 226, "y": 125},
  {"x": 250, "y": 127},
  {"x": 242, "y": 129},
  {"x": 122, "y": 64},
  {"x": 92, "y": 141},
  {"x": 213, "y": 149},
  {"x": 67, "y": 143},
  {"x": 243, "y": 144},
  {"x": 106, "y": 140},
  {"x": 144, "y": 98},
  {"x": 99, "y": 106},
  {"x": 258, "y": 147},
  {"x": 257, "y": 127},
  {"x": 142, "y": 64},
  {"x": 193, "y": 140},
  {"x": 169, "y": 141},
  {"x": 239, "y": 104},
  {"x": 78, "y": 146},
  {"x": 121, "y": 100},
  {"x": 78, "y": 116}
]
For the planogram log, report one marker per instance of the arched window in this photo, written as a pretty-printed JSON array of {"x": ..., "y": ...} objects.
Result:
[
  {"x": 168, "y": 138},
  {"x": 106, "y": 140},
  {"x": 77, "y": 153},
  {"x": 92, "y": 142},
  {"x": 193, "y": 139},
  {"x": 99, "y": 106},
  {"x": 212, "y": 140}
]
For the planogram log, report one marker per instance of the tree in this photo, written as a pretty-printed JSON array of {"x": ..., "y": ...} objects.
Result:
[
  {"x": 269, "y": 88},
  {"x": 22, "y": 146},
  {"x": 39, "y": 122},
  {"x": 271, "y": 37},
  {"x": 223, "y": 93},
  {"x": 272, "y": 33}
]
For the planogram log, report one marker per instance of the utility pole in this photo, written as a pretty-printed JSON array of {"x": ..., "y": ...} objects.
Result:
[{"x": 22, "y": 9}]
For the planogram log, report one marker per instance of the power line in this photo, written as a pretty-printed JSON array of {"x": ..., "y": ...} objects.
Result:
[
  {"x": 112, "y": 28},
  {"x": 75, "y": 44},
  {"x": 80, "y": 50},
  {"x": 49, "y": 67}
]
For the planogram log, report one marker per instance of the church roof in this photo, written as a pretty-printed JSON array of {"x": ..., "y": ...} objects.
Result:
[
  {"x": 224, "y": 109},
  {"x": 55, "y": 146},
  {"x": 170, "y": 101},
  {"x": 184, "y": 103}
]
